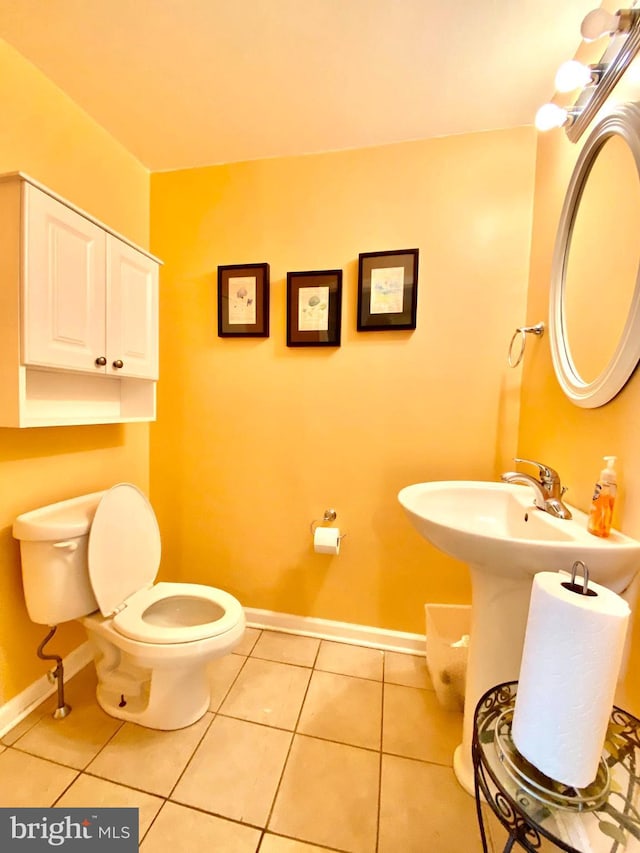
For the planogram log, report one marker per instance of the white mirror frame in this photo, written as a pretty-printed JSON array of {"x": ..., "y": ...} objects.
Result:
[{"x": 625, "y": 122}]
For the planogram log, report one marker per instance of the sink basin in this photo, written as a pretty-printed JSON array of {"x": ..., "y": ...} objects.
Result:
[
  {"x": 496, "y": 529},
  {"x": 496, "y": 525}
]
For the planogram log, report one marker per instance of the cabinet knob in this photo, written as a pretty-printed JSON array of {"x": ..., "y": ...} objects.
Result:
[
  {"x": 118, "y": 363},
  {"x": 101, "y": 361}
]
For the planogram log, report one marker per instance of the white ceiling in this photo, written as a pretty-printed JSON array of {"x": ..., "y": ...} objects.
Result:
[{"x": 184, "y": 83}]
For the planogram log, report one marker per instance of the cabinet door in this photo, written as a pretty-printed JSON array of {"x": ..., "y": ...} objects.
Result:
[
  {"x": 132, "y": 312},
  {"x": 63, "y": 310}
]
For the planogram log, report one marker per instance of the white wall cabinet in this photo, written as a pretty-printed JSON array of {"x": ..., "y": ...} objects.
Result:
[
  {"x": 80, "y": 307},
  {"x": 132, "y": 312}
]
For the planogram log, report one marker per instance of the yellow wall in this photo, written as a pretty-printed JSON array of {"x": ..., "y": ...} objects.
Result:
[
  {"x": 44, "y": 134},
  {"x": 254, "y": 440},
  {"x": 570, "y": 438}
]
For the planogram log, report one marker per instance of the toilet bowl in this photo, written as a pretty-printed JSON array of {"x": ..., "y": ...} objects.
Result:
[{"x": 95, "y": 558}]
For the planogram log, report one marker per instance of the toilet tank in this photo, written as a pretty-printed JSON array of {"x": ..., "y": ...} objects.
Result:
[{"x": 53, "y": 552}]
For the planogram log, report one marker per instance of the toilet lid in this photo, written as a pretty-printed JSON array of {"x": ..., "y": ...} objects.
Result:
[{"x": 124, "y": 546}]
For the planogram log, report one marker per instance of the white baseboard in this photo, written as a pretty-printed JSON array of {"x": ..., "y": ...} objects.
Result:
[
  {"x": 342, "y": 632},
  {"x": 20, "y": 706}
]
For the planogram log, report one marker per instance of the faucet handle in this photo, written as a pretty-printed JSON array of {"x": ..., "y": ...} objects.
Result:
[{"x": 547, "y": 474}]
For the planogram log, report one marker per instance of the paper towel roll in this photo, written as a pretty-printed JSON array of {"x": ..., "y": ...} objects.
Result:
[
  {"x": 326, "y": 540},
  {"x": 572, "y": 653}
]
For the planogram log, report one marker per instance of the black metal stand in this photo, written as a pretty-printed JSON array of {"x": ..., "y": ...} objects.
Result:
[{"x": 607, "y": 823}]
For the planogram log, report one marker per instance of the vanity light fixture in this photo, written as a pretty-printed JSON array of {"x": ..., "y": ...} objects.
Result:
[
  {"x": 550, "y": 116},
  {"x": 576, "y": 75},
  {"x": 595, "y": 81},
  {"x": 599, "y": 23}
]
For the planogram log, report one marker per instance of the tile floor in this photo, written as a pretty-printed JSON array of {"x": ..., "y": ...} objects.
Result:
[{"x": 309, "y": 745}]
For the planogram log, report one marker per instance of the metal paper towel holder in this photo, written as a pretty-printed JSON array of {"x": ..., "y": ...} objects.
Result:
[{"x": 572, "y": 586}]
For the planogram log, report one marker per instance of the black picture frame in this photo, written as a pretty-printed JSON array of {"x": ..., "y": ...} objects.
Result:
[
  {"x": 243, "y": 301},
  {"x": 314, "y": 318},
  {"x": 387, "y": 300}
]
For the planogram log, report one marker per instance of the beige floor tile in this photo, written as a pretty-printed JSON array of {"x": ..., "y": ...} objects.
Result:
[
  {"x": 75, "y": 740},
  {"x": 278, "y": 844},
  {"x": 268, "y": 692},
  {"x": 180, "y": 828},
  {"x": 29, "y": 781},
  {"x": 497, "y": 836},
  {"x": 343, "y": 708},
  {"x": 350, "y": 660},
  {"x": 80, "y": 690},
  {"x": 235, "y": 771},
  {"x": 286, "y": 648},
  {"x": 148, "y": 759},
  {"x": 87, "y": 791},
  {"x": 327, "y": 799},
  {"x": 44, "y": 708},
  {"x": 415, "y": 726},
  {"x": 328, "y": 795},
  {"x": 494, "y": 831},
  {"x": 248, "y": 641},
  {"x": 422, "y": 807},
  {"x": 222, "y": 673},
  {"x": 408, "y": 670}
]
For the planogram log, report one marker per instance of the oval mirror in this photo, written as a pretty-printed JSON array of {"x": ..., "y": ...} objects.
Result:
[{"x": 594, "y": 310}]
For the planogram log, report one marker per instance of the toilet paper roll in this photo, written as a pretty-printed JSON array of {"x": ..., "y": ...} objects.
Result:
[
  {"x": 326, "y": 540},
  {"x": 572, "y": 653}
]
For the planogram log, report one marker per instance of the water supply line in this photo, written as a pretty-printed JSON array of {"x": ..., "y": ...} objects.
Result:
[{"x": 56, "y": 675}]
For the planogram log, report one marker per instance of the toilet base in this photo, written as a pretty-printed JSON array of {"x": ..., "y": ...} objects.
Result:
[
  {"x": 158, "y": 686},
  {"x": 167, "y": 700},
  {"x": 159, "y": 694}
]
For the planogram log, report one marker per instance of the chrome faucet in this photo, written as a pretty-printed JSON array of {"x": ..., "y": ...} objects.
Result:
[{"x": 548, "y": 490}]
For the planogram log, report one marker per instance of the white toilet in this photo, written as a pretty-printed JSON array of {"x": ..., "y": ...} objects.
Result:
[{"x": 94, "y": 558}]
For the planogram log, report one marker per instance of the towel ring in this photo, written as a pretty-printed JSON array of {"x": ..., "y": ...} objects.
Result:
[{"x": 523, "y": 331}]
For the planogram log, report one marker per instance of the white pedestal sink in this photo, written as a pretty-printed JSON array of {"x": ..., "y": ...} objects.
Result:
[{"x": 504, "y": 539}]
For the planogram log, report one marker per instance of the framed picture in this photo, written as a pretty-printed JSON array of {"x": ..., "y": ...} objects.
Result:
[
  {"x": 314, "y": 308},
  {"x": 387, "y": 290},
  {"x": 243, "y": 301}
]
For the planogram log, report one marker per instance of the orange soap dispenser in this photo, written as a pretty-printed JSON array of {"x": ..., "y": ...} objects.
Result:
[{"x": 604, "y": 495}]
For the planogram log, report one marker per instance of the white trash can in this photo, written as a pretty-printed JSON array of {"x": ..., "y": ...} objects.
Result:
[{"x": 448, "y": 630}]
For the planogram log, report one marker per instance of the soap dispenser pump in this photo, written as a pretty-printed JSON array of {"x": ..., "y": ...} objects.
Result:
[{"x": 604, "y": 495}]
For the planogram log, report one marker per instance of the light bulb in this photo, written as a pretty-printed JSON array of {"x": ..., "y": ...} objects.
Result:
[
  {"x": 550, "y": 116},
  {"x": 573, "y": 75},
  {"x": 598, "y": 23}
]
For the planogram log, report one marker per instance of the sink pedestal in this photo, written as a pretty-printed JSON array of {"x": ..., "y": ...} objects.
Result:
[{"x": 500, "y": 605}]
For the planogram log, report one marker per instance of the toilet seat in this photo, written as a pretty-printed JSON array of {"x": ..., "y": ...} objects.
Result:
[
  {"x": 123, "y": 560},
  {"x": 134, "y": 621}
]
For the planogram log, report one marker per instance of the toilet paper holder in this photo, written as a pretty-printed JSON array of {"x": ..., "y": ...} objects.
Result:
[{"x": 329, "y": 515}]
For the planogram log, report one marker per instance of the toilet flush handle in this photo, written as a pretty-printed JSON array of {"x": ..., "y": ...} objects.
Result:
[{"x": 69, "y": 545}]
